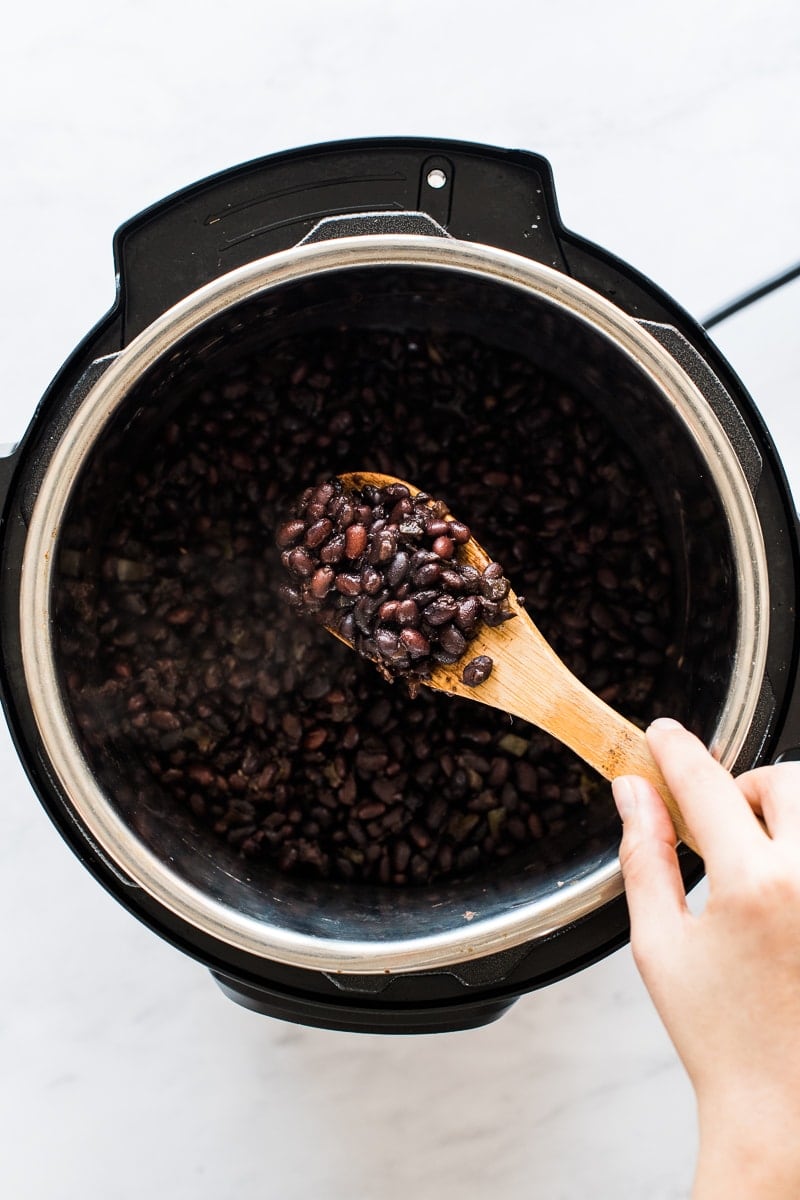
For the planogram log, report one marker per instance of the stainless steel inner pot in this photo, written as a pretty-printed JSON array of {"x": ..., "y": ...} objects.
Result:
[{"x": 699, "y": 456}]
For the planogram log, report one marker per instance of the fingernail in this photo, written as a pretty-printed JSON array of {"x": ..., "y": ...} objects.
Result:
[
  {"x": 623, "y": 789},
  {"x": 665, "y": 723}
]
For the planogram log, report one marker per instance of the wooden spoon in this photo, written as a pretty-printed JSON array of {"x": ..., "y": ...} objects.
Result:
[{"x": 530, "y": 681}]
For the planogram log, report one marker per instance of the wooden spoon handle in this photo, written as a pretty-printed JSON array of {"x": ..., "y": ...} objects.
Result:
[{"x": 608, "y": 742}]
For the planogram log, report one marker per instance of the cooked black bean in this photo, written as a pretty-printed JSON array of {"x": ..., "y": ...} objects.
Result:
[
  {"x": 321, "y": 582},
  {"x": 371, "y": 580},
  {"x": 355, "y": 540},
  {"x": 468, "y": 614},
  {"x": 435, "y": 526},
  {"x": 364, "y": 613},
  {"x": 318, "y": 532},
  {"x": 387, "y": 640},
  {"x": 402, "y": 509},
  {"x": 334, "y": 549},
  {"x": 495, "y": 589},
  {"x": 290, "y": 531},
  {"x": 444, "y": 547},
  {"x": 408, "y": 612},
  {"x": 300, "y": 562},
  {"x": 415, "y": 643},
  {"x": 428, "y": 573},
  {"x": 383, "y": 546},
  {"x": 440, "y": 611},
  {"x": 397, "y": 569},
  {"x": 397, "y": 491},
  {"x": 459, "y": 532},
  {"x": 477, "y": 671},
  {"x": 444, "y": 657},
  {"x": 347, "y": 584},
  {"x": 188, "y": 665},
  {"x": 452, "y": 640},
  {"x": 425, "y": 597}
]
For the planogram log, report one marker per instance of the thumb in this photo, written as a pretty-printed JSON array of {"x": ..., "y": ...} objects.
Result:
[{"x": 653, "y": 884}]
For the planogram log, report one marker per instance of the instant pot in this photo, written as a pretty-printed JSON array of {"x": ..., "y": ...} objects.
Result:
[{"x": 396, "y": 234}]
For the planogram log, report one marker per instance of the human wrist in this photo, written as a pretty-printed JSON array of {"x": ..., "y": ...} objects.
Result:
[{"x": 741, "y": 1157}]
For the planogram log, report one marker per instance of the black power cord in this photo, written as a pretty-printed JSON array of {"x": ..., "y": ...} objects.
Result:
[{"x": 750, "y": 297}]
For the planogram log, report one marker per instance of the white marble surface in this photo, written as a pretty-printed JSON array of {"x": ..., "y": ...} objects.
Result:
[{"x": 672, "y": 131}]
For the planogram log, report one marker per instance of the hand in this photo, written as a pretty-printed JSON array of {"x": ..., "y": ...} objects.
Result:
[{"x": 726, "y": 983}]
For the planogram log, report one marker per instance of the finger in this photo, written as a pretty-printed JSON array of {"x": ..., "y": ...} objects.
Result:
[
  {"x": 775, "y": 793},
  {"x": 653, "y": 884},
  {"x": 715, "y": 809}
]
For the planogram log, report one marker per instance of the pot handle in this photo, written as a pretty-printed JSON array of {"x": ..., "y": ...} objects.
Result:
[
  {"x": 715, "y": 394},
  {"x": 787, "y": 746},
  {"x": 355, "y": 1017},
  {"x": 358, "y": 224},
  {"x": 37, "y": 465},
  {"x": 8, "y": 464}
]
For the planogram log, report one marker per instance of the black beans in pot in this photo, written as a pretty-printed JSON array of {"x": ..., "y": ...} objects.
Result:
[{"x": 188, "y": 676}]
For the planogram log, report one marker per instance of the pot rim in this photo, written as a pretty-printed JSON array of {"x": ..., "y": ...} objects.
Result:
[{"x": 478, "y": 935}]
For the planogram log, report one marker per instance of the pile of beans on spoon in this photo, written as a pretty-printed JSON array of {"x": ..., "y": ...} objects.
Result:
[{"x": 380, "y": 568}]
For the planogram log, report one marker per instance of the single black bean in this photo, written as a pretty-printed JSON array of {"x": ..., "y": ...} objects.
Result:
[
  {"x": 324, "y": 493},
  {"x": 300, "y": 562},
  {"x": 290, "y": 531},
  {"x": 346, "y": 514},
  {"x": 348, "y": 585},
  {"x": 415, "y": 642},
  {"x": 386, "y": 640},
  {"x": 459, "y": 532},
  {"x": 401, "y": 855},
  {"x": 402, "y": 509},
  {"x": 436, "y": 527},
  {"x": 388, "y": 610},
  {"x": 321, "y": 582},
  {"x": 452, "y": 640},
  {"x": 423, "y": 599},
  {"x": 495, "y": 590},
  {"x": 408, "y": 612},
  {"x": 397, "y": 569},
  {"x": 347, "y": 627},
  {"x": 396, "y": 491},
  {"x": 444, "y": 658},
  {"x": 364, "y": 612},
  {"x": 317, "y": 533},
  {"x": 334, "y": 549},
  {"x": 444, "y": 546},
  {"x": 440, "y": 611},
  {"x": 452, "y": 580},
  {"x": 426, "y": 574},
  {"x": 371, "y": 580},
  {"x": 494, "y": 614},
  {"x": 383, "y": 547},
  {"x": 477, "y": 671},
  {"x": 468, "y": 614},
  {"x": 355, "y": 540}
]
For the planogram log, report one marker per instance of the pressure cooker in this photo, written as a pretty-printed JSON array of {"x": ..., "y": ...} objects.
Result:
[{"x": 398, "y": 235}]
